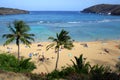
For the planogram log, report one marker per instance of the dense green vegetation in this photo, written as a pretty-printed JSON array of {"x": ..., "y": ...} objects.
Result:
[
  {"x": 82, "y": 70},
  {"x": 10, "y": 63}
]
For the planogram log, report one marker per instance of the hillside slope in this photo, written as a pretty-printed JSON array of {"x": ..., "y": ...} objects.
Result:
[
  {"x": 8, "y": 11},
  {"x": 103, "y": 9}
]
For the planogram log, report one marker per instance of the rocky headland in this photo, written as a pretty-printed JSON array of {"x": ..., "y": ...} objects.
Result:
[
  {"x": 8, "y": 11},
  {"x": 109, "y": 9}
]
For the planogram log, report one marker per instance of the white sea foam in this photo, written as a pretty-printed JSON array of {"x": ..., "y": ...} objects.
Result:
[
  {"x": 95, "y": 21},
  {"x": 108, "y": 20},
  {"x": 105, "y": 20},
  {"x": 41, "y": 22},
  {"x": 75, "y": 22}
]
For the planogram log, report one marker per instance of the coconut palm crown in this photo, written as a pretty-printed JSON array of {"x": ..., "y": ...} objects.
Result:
[
  {"x": 62, "y": 40},
  {"x": 18, "y": 33}
]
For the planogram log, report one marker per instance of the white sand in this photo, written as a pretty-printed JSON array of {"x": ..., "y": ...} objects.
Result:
[{"x": 94, "y": 53}]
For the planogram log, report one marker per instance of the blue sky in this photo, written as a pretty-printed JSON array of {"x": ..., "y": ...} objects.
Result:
[{"x": 53, "y": 5}]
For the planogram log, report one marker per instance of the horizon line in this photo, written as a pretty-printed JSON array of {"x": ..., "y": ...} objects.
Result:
[{"x": 57, "y": 10}]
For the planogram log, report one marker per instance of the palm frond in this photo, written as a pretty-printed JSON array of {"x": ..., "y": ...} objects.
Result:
[
  {"x": 11, "y": 28},
  {"x": 75, "y": 66},
  {"x": 8, "y": 41},
  {"x": 28, "y": 36},
  {"x": 21, "y": 26},
  {"x": 62, "y": 39},
  {"x": 8, "y": 35},
  {"x": 51, "y": 38},
  {"x": 31, "y": 34},
  {"x": 68, "y": 45},
  {"x": 26, "y": 28},
  {"x": 50, "y": 46},
  {"x": 25, "y": 41},
  {"x": 57, "y": 35}
]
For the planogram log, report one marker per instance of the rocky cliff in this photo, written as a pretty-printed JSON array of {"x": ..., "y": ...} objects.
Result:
[
  {"x": 103, "y": 9},
  {"x": 7, "y": 11}
]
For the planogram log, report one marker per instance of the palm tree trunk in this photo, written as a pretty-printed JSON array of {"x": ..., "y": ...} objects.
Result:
[
  {"x": 17, "y": 42},
  {"x": 57, "y": 59},
  {"x": 18, "y": 52}
]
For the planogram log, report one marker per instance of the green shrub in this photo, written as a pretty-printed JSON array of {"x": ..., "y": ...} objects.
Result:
[
  {"x": 80, "y": 65},
  {"x": 25, "y": 65},
  {"x": 118, "y": 66},
  {"x": 98, "y": 72},
  {"x": 54, "y": 75},
  {"x": 82, "y": 70},
  {"x": 11, "y": 63},
  {"x": 96, "y": 69},
  {"x": 66, "y": 71}
]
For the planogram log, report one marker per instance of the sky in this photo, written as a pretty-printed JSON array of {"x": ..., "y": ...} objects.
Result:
[{"x": 54, "y": 5}]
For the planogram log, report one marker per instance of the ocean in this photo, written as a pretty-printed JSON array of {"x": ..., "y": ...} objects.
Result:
[{"x": 81, "y": 26}]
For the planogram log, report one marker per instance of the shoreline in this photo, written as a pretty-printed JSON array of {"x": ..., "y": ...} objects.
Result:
[
  {"x": 105, "y": 40},
  {"x": 94, "y": 52}
]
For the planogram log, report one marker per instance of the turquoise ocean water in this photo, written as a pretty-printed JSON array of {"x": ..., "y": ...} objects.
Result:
[{"x": 81, "y": 26}]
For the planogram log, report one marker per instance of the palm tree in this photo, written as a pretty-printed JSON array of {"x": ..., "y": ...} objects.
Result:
[
  {"x": 62, "y": 40},
  {"x": 19, "y": 33}
]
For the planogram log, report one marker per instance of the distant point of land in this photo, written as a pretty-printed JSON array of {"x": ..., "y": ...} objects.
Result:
[
  {"x": 109, "y": 9},
  {"x": 8, "y": 11}
]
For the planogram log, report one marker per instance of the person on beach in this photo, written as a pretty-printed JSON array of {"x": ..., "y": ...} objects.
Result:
[
  {"x": 41, "y": 57},
  {"x": 30, "y": 55},
  {"x": 9, "y": 49}
]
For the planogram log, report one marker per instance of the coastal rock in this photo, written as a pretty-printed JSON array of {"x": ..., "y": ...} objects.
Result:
[
  {"x": 103, "y": 9},
  {"x": 7, "y": 11}
]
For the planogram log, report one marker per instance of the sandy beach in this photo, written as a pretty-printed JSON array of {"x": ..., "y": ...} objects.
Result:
[{"x": 97, "y": 52}]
